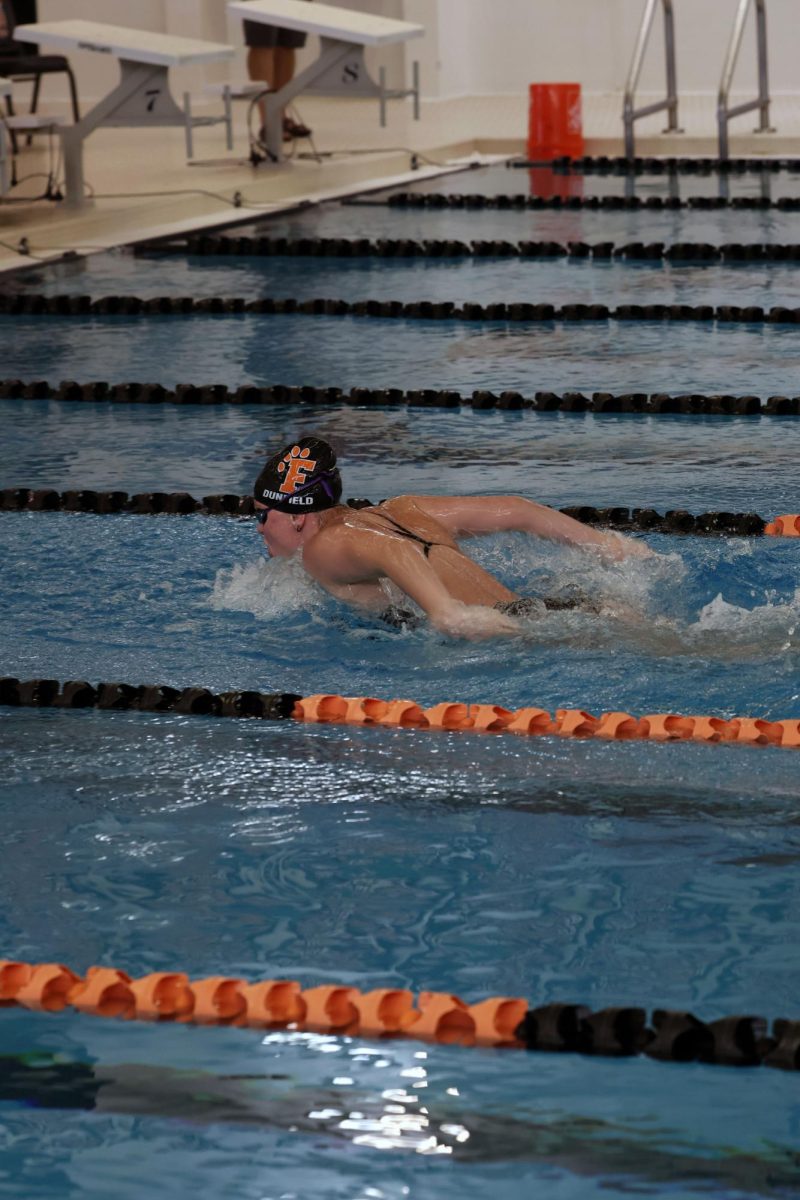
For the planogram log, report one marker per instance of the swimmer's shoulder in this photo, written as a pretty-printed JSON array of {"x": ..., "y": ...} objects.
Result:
[
  {"x": 332, "y": 539},
  {"x": 345, "y": 550}
]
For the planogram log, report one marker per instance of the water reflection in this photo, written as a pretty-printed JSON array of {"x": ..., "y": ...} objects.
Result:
[{"x": 396, "y": 1120}]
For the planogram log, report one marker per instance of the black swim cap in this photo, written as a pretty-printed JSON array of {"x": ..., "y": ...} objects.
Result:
[{"x": 302, "y": 477}]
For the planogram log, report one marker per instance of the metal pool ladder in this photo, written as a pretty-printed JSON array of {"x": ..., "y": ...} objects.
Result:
[
  {"x": 631, "y": 114},
  {"x": 724, "y": 112}
]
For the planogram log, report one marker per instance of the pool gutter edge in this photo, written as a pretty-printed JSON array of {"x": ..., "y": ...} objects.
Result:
[{"x": 361, "y": 178}]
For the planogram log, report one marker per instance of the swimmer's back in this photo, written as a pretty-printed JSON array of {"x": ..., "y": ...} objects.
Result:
[{"x": 403, "y": 517}]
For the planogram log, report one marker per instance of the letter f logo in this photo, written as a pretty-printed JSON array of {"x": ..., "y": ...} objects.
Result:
[{"x": 296, "y": 465}]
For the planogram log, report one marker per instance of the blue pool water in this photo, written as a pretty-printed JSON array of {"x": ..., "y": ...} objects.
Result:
[
  {"x": 720, "y": 226},
  {"x": 604, "y": 874},
  {"x": 350, "y": 352},
  {"x": 479, "y": 280},
  {"x": 699, "y": 463}
]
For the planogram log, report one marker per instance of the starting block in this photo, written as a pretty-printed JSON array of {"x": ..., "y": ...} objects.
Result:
[
  {"x": 340, "y": 69},
  {"x": 142, "y": 96}
]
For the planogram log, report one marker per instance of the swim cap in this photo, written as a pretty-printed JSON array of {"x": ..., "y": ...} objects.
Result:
[{"x": 303, "y": 477}]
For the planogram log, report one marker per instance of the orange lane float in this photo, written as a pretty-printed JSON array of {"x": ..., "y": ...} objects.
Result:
[
  {"x": 269, "y": 1004},
  {"x": 566, "y": 722},
  {"x": 665, "y": 727},
  {"x": 533, "y": 721},
  {"x": 273, "y": 1002},
  {"x": 490, "y": 717},
  {"x": 786, "y": 526},
  {"x": 791, "y": 733},
  {"x": 46, "y": 987},
  {"x": 164, "y": 996}
]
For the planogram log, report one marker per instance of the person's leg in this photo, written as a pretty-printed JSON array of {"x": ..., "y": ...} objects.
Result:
[
  {"x": 262, "y": 68},
  {"x": 285, "y": 64},
  {"x": 262, "y": 65},
  {"x": 275, "y": 67}
]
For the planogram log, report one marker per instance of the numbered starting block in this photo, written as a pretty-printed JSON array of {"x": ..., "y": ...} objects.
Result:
[
  {"x": 142, "y": 96},
  {"x": 340, "y": 69}
]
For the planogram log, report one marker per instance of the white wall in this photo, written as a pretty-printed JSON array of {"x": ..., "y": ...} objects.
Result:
[
  {"x": 97, "y": 73},
  {"x": 485, "y": 47},
  {"x": 480, "y": 47}
]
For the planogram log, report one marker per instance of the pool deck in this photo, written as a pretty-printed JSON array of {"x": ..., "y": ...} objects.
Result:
[{"x": 143, "y": 186}]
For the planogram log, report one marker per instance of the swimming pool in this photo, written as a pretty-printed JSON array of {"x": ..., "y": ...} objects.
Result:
[{"x": 602, "y": 874}]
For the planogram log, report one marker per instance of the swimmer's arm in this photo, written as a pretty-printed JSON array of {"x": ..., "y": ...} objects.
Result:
[
  {"x": 467, "y": 516},
  {"x": 342, "y": 558}
]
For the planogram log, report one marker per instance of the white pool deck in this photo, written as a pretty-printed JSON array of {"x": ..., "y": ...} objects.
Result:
[{"x": 127, "y": 168}]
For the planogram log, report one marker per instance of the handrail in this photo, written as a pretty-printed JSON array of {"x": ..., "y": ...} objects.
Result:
[
  {"x": 631, "y": 114},
  {"x": 724, "y": 113}
]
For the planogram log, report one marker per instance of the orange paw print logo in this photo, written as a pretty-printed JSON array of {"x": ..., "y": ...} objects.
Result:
[{"x": 295, "y": 466}]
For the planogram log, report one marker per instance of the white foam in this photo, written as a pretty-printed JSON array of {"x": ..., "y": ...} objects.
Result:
[
  {"x": 726, "y": 629},
  {"x": 722, "y": 632},
  {"x": 267, "y": 589},
  {"x": 626, "y": 591}
]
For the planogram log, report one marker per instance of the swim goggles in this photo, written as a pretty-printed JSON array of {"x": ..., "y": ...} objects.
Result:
[{"x": 261, "y": 517}]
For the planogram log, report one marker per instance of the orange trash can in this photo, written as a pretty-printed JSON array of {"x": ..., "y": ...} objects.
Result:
[{"x": 555, "y": 126}]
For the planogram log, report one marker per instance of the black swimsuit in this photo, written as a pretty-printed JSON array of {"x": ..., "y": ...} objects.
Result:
[{"x": 409, "y": 533}]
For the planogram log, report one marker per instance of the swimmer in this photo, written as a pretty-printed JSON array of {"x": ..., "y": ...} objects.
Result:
[{"x": 411, "y": 542}]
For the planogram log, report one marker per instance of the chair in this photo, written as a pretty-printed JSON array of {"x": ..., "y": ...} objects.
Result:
[{"x": 22, "y": 61}]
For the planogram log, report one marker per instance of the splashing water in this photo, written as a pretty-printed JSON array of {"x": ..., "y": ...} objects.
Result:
[
  {"x": 269, "y": 589},
  {"x": 638, "y": 600},
  {"x": 768, "y": 628}
]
